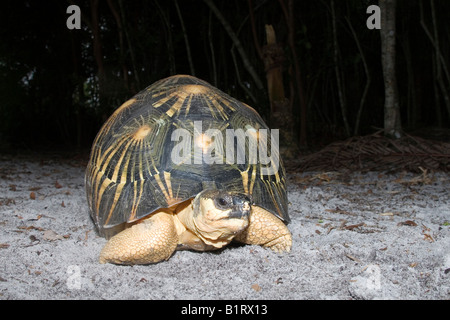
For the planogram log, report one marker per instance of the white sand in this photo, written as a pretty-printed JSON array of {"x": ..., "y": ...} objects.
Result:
[{"x": 355, "y": 236}]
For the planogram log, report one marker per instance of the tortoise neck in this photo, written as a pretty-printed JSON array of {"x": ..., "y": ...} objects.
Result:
[{"x": 185, "y": 215}]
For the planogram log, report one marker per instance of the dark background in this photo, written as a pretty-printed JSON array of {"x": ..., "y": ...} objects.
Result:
[{"x": 57, "y": 86}]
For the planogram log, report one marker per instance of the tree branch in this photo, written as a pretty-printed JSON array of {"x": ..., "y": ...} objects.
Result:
[
  {"x": 186, "y": 39},
  {"x": 248, "y": 66}
]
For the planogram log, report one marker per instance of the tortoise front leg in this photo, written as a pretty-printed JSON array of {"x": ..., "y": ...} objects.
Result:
[
  {"x": 267, "y": 230},
  {"x": 153, "y": 240}
]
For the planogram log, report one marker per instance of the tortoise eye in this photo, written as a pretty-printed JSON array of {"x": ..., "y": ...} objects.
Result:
[{"x": 223, "y": 202}]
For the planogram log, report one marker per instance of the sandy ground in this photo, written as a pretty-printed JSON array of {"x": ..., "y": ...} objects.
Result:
[{"x": 355, "y": 236}]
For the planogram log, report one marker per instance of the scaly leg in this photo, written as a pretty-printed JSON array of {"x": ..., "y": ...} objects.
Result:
[
  {"x": 153, "y": 240},
  {"x": 267, "y": 230}
]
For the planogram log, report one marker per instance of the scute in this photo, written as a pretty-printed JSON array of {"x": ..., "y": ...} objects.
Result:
[{"x": 130, "y": 173}]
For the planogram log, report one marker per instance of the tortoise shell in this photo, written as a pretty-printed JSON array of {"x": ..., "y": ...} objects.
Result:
[{"x": 169, "y": 142}]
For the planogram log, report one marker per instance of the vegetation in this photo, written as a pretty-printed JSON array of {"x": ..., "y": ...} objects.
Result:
[{"x": 311, "y": 68}]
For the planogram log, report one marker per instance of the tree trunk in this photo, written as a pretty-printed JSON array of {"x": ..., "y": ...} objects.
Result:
[
  {"x": 137, "y": 86},
  {"x": 280, "y": 111},
  {"x": 368, "y": 81},
  {"x": 339, "y": 78},
  {"x": 247, "y": 64},
  {"x": 116, "y": 16},
  {"x": 253, "y": 26},
  {"x": 168, "y": 38},
  {"x": 186, "y": 39},
  {"x": 440, "y": 65},
  {"x": 96, "y": 38},
  {"x": 98, "y": 56},
  {"x": 392, "y": 120},
  {"x": 290, "y": 23},
  {"x": 211, "y": 47},
  {"x": 78, "y": 100}
]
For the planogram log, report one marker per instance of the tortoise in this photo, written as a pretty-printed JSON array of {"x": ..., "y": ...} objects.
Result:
[{"x": 182, "y": 165}]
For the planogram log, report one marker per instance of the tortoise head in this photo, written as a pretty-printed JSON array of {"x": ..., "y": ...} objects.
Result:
[{"x": 218, "y": 216}]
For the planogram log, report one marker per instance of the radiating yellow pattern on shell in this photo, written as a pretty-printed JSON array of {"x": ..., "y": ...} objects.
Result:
[
  {"x": 125, "y": 162},
  {"x": 182, "y": 96}
]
